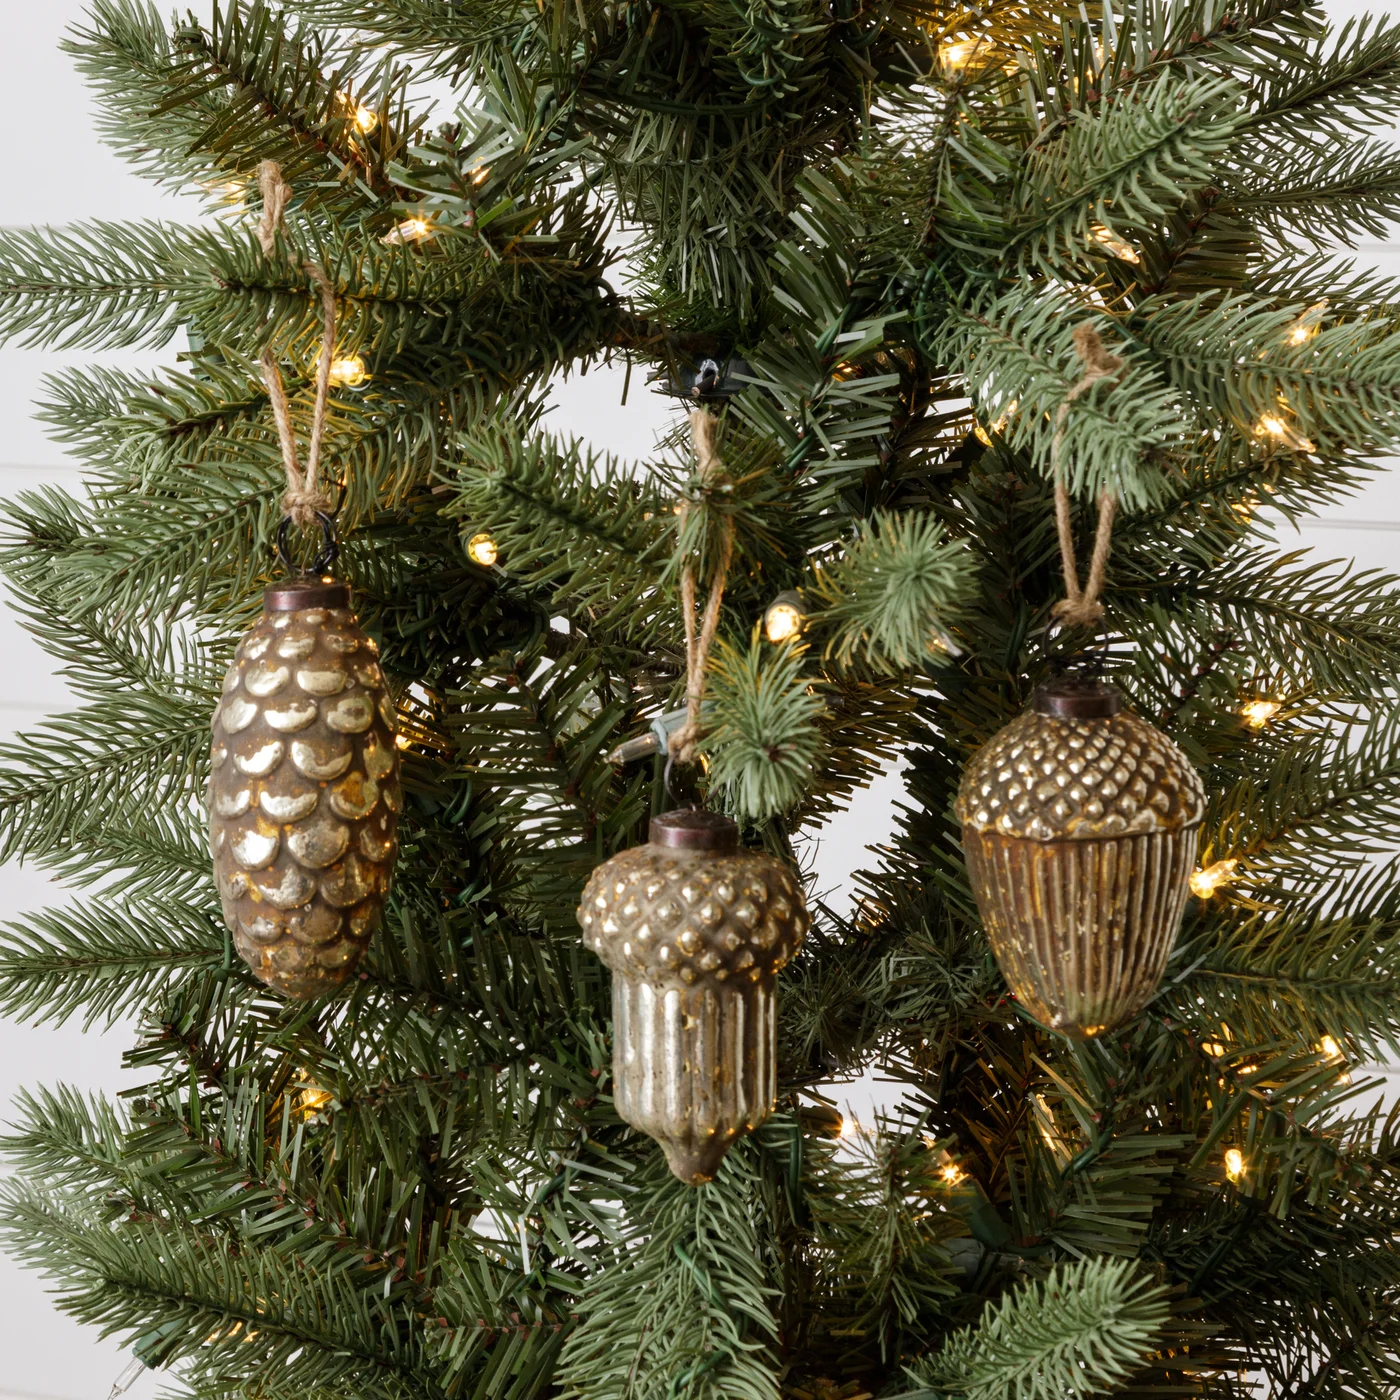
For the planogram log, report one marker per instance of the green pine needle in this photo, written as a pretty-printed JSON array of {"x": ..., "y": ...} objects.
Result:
[{"x": 1085, "y": 1327}]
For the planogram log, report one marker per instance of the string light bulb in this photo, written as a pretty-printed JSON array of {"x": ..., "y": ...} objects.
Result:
[
  {"x": 1110, "y": 242},
  {"x": 402, "y": 741},
  {"x": 481, "y": 549},
  {"x": 1234, "y": 1163},
  {"x": 234, "y": 193},
  {"x": 311, "y": 1097},
  {"x": 1307, "y": 325},
  {"x": 997, "y": 425},
  {"x": 955, "y": 56},
  {"x": 1257, "y": 713},
  {"x": 414, "y": 230},
  {"x": 1205, "y": 882},
  {"x": 363, "y": 119},
  {"x": 1272, "y": 425},
  {"x": 349, "y": 372},
  {"x": 1329, "y": 1048},
  {"x": 948, "y": 1169},
  {"x": 785, "y": 617}
]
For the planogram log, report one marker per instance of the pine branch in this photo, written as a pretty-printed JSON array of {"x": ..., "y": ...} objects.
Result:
[
  {"x": 105, "y": 960},
  {"x": 1086, "y": 1327},
  {"x": 197, "y": 105},
  {"x": 763, "y": 742},
  {"x": 1124, "y": 166},
  {"x": 567, "y": 519},
  {"x": 686, "y": 1306},
  {"x": 891, "y": 596},
  {"x": 1016, "y": 354},
  {"x": 243, "y": 1314},
  {"x": 1335, "y": 390}
]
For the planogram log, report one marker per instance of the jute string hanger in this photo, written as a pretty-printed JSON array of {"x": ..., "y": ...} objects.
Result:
[
  {"x": 698, "y": 640},
  {"x": 1080, "y": 607},
  {"x": 303, "y": 499}
]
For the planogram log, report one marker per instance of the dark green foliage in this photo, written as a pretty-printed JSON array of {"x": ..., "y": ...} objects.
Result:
[
  {"x": 1084, "y": 1328},
  {"x": 421, "y": 1188}
]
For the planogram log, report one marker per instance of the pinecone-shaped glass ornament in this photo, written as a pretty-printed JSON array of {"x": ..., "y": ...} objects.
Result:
[
  {"x": 1079, "y": 826},
  {"x": 695, "y": 931},
  {"x": 304, "y": 793}
]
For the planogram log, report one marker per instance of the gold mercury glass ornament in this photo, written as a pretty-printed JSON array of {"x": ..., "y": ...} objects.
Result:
[
  {"x": 1079, "y": 826},
  {"x": 695, "y": 931},
  {"x": 304, "y": 793}
]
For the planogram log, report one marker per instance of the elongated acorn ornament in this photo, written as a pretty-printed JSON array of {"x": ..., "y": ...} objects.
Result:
[{"x": 695, "y": 931}]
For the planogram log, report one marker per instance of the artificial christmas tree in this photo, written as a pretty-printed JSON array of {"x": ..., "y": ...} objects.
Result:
[{"x": 962, "y": 290}]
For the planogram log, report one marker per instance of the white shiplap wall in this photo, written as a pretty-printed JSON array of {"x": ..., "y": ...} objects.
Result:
[{"x": 59, "y": 174}]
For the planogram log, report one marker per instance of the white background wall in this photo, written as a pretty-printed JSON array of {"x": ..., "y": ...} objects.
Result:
[{"x": 57, "y": 172}]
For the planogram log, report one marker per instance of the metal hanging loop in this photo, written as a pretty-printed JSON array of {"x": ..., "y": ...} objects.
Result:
[{"x": 325, "y": 556}]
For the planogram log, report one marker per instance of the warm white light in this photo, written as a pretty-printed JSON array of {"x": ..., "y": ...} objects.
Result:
[
  {"x": 1234, "y": 1163},
  {"x": 349, "y": 372},
  {"x": 956, "y": 55},
  {"x": 311, "y": 1098},
  {"x": 1271, "y": 425},
  {"x": 997, "y": 425},
  {"x": 952, "y": 1174},
  {"x": 1213, "y": 1048},
  {"x": 413, "y": 230},
  {"x": 1330, "y": 1048},
  {"x": 480, "y": 173},
  {"x": 1110, "y": 242},
  {"x": 1257, "y": 713},
  {"x": 1204, "y": 883},
  {"x": 1307, "y": 325},
  {"x": 366, "y": 118},
  {"x": 232, "y": 192},
  {"x": 481, "y": 549},
  {"x": 402, "y": 741},
  {"x": 783, "y": 620}
]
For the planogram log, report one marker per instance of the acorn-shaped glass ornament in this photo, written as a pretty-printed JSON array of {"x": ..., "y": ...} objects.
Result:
[
  {"x": 695, "y": 931},
  {"x": 1079, "y": 826},
  {"x": 304, "y": 793}
]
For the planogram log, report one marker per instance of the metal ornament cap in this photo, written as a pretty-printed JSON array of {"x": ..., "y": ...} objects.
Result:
[
  {"x": 295, "y": 594},
  {"x": 1080, "y": 823},
  {"x": 695, "y": 931},
  {"x": 304, "y": 794}
]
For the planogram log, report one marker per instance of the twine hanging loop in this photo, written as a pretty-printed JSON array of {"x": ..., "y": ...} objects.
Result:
[
  {"x": 1080, "y": 607},
  {"x": 698, "y": 641},
  {"x": 303, "y": 499}
]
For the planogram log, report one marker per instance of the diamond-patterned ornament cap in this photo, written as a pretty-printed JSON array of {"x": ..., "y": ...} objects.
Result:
[
  {"x": 690, "y": 917},
  {"x": 1050, "y": 778},
  {"x": 304, "y": 793}
]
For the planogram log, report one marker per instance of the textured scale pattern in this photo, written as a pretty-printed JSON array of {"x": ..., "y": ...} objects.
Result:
[
  {"x": 1052, "y": 779},
  {"x": 304, "y": 797},
  {"x": 1080, "y": 838},
  {"x": 695, "y": 941}
]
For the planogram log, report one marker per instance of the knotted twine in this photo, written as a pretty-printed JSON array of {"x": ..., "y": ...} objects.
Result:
[
  {"x": 303, "y": 499},
  {"x": 709, "y": 470},
  {"x": 1081, "y": 607}
]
